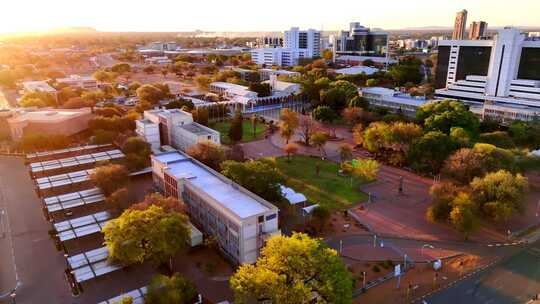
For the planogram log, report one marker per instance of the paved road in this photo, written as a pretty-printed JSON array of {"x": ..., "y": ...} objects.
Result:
[
  {"x": 513, "y": 280},
  {"x": 35, "y": 253}
]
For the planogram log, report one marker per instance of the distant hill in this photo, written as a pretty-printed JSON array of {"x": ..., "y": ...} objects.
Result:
[{"x": 74, "y": 29}]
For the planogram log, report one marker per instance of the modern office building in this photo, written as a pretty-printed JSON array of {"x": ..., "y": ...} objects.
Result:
[
  {"x": 359, "y": 43},
  {"x": 297, "y": 44},
  {"x": 48, "y": 121},
  {"x": 175, "y": 128},
  {"x": 394, "y": 101},
  {"x": 478, "y": 30},
  {"x": 308, "y": 40},
  {"x": 76, "y": 81},
  {"x": 240, "y": 221},
  {"x": 460, "y": 25},
  {"x": 502, "y": 71},
  {"x": 265, "y": 74}
]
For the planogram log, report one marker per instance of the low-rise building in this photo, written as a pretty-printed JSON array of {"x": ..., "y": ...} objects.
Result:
[
  {"x": 76, "y": 81},
  {"x": 393, "y": 100},
  {"x": 173, "y": 127},
  {"x": 38, "y": 86},
  {"x": 278, "y": 56},
  {"x": 240, "y": 221},
  {"x": 161, "y": 60},
  {"x": 48, "y": 121},
  {"x": 355, "y": 70},
  {"x": 265, "y": 74}
]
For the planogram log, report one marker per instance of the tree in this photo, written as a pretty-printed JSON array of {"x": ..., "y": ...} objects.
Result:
[
  {"x": 137, "y": 152},
  {"x": 296, "y": 269},
  {"x": 208, "y": 153},
  {"x": 125, "y": 300},
  {"x": 169, "y": 203},
  {"x": 262, "y": 89},
  {"x": 363, "y": 168},
  {"x": 39, "y": 142},
  {"x": 463, "y": 165},
  {"x": 358, "y": 134},
  {"x": 429, "y": 152},
  {"x": 121, "y": 68},
  {"x": 372, "y": 82},
  {"x": 167, "y": 290},
  {"x": 321, "y": 215},
  {"x": 290, "y": 148},
  {"x": 118, "y": 200},
  {"x": 499, "y": 139},
  {"x": 104, "y": 76},
  {"x": 236, "y": 129},
  {"x": 288, "y": 123},
  {"x": 345, "y": 152},
  {"x": 306, "y": 126},
  {"x": 444, "y": 115},
  {"x": 463, "y": 215},
  {"x": 319, "y": 140},
  {"x": 150, "y": 93},
  {"x": 328, "y": 54},
  {"x": 355, "y": 115},
  {"x": 358, "y": 102},
  {"x": 261, "y": 177},
  {"x": 460, "y": 136},
  {"x": 200, "y": 115},
  {"x": 181, "y": 103},
  {"x": 402, "y": 134},
  {"x": 443, "y": 194},
  {"x": 324, "y": 114},
  {"x": 253, "y": 118},
  {"x": 499, "y": 195},
  {"x": 110, "y": 177},
  {"x": 203, "y": 82},
  {"x": 93, "y": 97},
  {"x": 153, "y": 235},
  {"x": 37, "y": 99},
  {"x": 374, "y": 137}
]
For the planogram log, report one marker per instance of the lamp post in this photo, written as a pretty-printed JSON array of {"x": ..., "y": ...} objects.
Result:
[{"x": 422, "y": 249}]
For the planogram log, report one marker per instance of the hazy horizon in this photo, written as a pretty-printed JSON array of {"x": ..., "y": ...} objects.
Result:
[{"x": 244, "y": 16}]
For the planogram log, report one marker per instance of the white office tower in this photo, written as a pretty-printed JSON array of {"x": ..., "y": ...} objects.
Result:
[
  {"x": 309, "y": 40},
  {"x": 499, "y": 73}
]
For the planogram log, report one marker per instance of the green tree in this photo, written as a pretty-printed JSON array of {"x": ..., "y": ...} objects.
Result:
[
  {"x": 236, "y": 129},
  {"x": 290, "y": 149},
  {"x": 167, "y": 290},
  {"x": 183, "y": 104},
  {"x": 463, "y": 215},
  {"x": 429, "y": 152},
  {"x": 169, "y": 203},
  {"x": 296, "y": 269},
  {"x": 345, "y": 152},
  {"x": 121, "y": 68},
  {"x": 444, "y": 115},
  {"x": 37, "y": 99},
  {"x": 443, "y": 195},
  {"x": 110, "y": 177},
  {"x": 200, "y": 115},
  {"x": 262, "y": 89},
  {"x": 208, "y": 153},
  {"x": 324, "y": 114},
  {"x": 328, "y": 54},
  {"x": 463, "y": 165},
  {"x": 118, "y": 200},
  {"x": 261, "y": 177},
  {"x": 499, "y": 139},
  {"x": 499, "y": 195},
  {"x": 359, "y": 101},
  {"x": 374, "y": 137},
  {"x": 319, "y": 139},
  {"x": 153, "y": 235},
  {"x": 137, "y": 152},
  {"x": 203, "y": 82},
  {"x": 104, "y": 76},
  {"x": 362, "y": 168}
]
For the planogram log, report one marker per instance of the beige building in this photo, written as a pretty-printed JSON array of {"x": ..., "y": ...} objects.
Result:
[
  {"x": 76, "y": 81},
  {"x": 460, "y": 25},
  {"x": 240, "y": 221},
  {"x": 48, "y": 121}
]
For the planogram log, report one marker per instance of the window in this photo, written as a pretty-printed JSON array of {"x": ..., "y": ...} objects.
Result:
[
  {"x": 261, "y": 218},
  {"x": 271, "y": 216}
]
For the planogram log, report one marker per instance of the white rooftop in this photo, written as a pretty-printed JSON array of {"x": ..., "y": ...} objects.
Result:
[
  {"x": 357, "y": 70},
  {"x": 220, "y": 189},
  {"x": 38, "y": 86}
]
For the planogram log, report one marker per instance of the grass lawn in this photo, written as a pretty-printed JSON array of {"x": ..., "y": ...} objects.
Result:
[
  {"x": 247, "y": 128},
  {"x": 327, "y": 189}
]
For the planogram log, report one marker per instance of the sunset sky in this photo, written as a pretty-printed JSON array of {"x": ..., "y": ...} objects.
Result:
[{"x": 237, "y": 15}]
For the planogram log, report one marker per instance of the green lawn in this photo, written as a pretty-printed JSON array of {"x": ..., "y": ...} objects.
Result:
[
  {"x": 247, "y": 128},
  {"x": 327, "y": 189}
]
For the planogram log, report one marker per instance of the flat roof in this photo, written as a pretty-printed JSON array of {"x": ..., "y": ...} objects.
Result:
[
  {"x": 168, "y": 157},
  {"x": 357, "y": 70},
  {"x": 227, "y": 85},
  {"x": 91, "y": 264},
  {"x": 86, "y": 159},
  {"x": 81, "y": 226},
  {"x": 197, "y": 129},
  {"x": 73, "y": 200},
  {"x": 40, "y": 85},
  {"x": 50, "y": 116},
  {"x": 221, "y": 189}
]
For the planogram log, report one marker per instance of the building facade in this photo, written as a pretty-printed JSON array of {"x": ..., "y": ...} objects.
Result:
[
  {"x": 240, "y": 221},
  {"x": 308, "y": 40},
  {"x": 76, "y": 81},
  {"x": 460, "y": 25},
  {"x": 175, "y": 128},
  {"x": 394, "y": 101},
  {"x": 361, "y": 43},
  {"x": 501, "y": 71},
  {"x": 478, "y": 30}
]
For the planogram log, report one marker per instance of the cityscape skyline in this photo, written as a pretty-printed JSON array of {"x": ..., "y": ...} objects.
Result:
[{"x": 234, "y": 15}]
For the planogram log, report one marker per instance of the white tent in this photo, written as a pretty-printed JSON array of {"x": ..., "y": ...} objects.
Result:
[
  {"x": 307, "y": 210},
  {"x": 292, "y": 196}
]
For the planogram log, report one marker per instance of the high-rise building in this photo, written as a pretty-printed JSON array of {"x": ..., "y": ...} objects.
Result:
[
  {"x": 460, "y": 25},
  {"x": 360, "y": 43},
  {"x": 478, "y": 30},
  {"x": 309, "y": 40},
  {"x": 504, "y": 71}
]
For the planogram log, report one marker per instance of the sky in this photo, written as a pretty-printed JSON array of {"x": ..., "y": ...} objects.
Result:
[{"x": 270, "y": 15}]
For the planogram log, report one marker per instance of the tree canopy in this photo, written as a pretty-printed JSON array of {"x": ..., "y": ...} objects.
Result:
[
  {"x": 296, "y": 269},
  {"x": 444, "y": 115},
  {"x": 176, "y": 289},
  {"x": 152, "y": 235},
  {"x": 110, "y": 177}
]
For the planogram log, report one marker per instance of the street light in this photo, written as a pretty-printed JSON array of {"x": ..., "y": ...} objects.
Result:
[{"x": 422, "y": 249}]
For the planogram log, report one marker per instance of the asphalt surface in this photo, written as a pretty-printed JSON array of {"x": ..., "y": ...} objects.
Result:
[{"x": 515, "y": 279}]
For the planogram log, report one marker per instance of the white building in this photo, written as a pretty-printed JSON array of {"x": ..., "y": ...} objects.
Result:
[
  {"x": 309, "y": 40},
  {"x": 240, "y": 221},
  {"x": 162, "y": 60},
  {"x": 355, "y": 70},
  {"x": 173, "y": 127},
  {"x": 265, "y": 74},
  {"x": 394, "y": 101},
  {"x": 502, "y": 71},
  {"x": 278, "y": 56},
  {"x": 38, "y": 86},
  {"x": 76, "y": 81}
]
